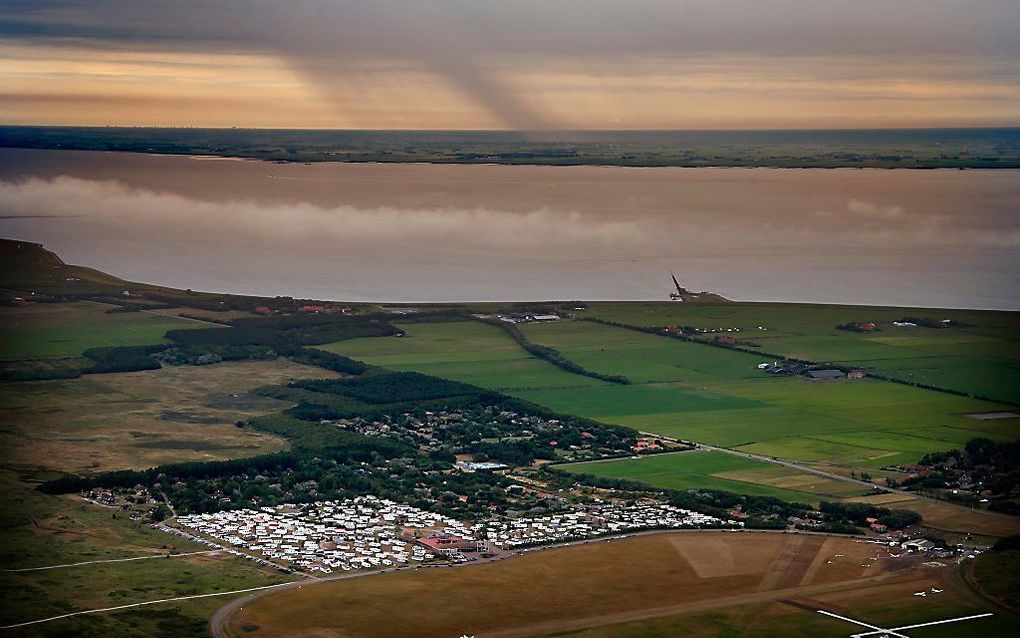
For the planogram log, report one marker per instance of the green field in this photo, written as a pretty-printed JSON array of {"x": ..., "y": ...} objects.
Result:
[
  {"x": 717, "y": 470},
  {"x": 982, "y": 359},
  {"x": 467, "y": 351},
  {"x": 68, "y": 329},
  {"x": 695, "y": 391}
]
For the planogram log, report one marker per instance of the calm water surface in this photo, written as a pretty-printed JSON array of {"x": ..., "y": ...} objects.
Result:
[{"x": 432, "y": 233}]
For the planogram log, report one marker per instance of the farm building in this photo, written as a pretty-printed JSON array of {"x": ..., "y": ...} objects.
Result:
[{"x": 826, "y": 374}]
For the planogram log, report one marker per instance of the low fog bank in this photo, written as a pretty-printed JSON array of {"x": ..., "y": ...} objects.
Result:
[{"x": 596, "y": 234}]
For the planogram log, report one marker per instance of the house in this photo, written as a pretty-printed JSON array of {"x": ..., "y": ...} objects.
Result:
[
  {"x": 313, "y": 308},
  {"x": 543, "y": 318},
  {"x": 855, "y": 374},
  {"x": 826, "y": 374},
  {"x": 445, "y": 544}
]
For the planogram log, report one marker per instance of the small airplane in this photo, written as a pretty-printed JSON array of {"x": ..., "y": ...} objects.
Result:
[
  {"x": 921, "y": 594},
  {"x": 936, "y": 591}
]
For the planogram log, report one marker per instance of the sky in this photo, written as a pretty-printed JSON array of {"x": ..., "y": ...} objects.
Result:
[{"x": 521, "y": 65}]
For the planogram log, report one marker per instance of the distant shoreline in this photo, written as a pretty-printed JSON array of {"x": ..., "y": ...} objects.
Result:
[
  {"x": 259, "y": 160},
  {"x": 920, "y": 149}
]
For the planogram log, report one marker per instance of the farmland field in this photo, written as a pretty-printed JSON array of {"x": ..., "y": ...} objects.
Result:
[
  {"x": 694, "y": 391},
  {"x": 68, "y": 329},
  {"x": 660, "y": 584},
  {"x": 717, "y": 470},
  {"x": 466, "y": 351},
  {"x": 981, "y": 357}
]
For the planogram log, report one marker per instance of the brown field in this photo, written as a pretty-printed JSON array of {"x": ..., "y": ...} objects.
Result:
[
  {"x": 140, "y": 419},
  {"x": 790, "y": 479},
  {"x": 948, "y": 518},
  {"x": 647, "y": 585}
]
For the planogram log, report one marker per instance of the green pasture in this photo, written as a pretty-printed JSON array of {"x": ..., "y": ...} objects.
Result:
[
  {"x": 715, "y": 470},
  {"x": 982, "y": 359},
  {"x": 467, "y": 351},
  {"x": 68, "y": 329},
  {"x": 696, "y": 391}
]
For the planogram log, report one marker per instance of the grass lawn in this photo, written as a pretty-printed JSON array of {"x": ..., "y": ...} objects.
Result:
[
  {"x": 68, "y": 329},
  {"x": 717, "y": 470}
]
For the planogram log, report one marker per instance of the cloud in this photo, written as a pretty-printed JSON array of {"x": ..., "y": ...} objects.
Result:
[
  {"x": 481, "y": 49},
  {"x": 559, "y": 230},
  {"x": 111, "y": 204},
  {"x": 749, "y": 234}
]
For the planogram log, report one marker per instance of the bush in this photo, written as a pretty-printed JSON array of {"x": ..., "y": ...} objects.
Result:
[{"x": 123, "y": 358}]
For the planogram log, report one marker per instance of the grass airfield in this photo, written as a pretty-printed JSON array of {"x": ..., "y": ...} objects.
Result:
[{"x": 665, "y": 584}]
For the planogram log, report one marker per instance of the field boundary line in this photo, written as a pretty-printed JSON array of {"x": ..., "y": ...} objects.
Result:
[
  {"x": 141, "y": 604},
  {"x": 111, "y": 560}
]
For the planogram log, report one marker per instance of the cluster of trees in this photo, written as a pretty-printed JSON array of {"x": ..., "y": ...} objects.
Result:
[
  {"x": 482, "y": 415},
  {"x": 279, "y": 332},
  {"x": 325, "y": 360},
  {"x": 392, "y": 387},
  {"x": 983, "y": 465},
  {"x": 515, "y": 452},
  {"x": 856, "y": 514},
  {"x": 552, "y": 355},
  {"x": 204, "y": 355},
  {"x": 123, "y": 358},
  {"x": 304, "y": 476}
]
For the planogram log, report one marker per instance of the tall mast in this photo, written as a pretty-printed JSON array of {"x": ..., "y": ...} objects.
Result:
[{"x": 676, "y": 283}]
